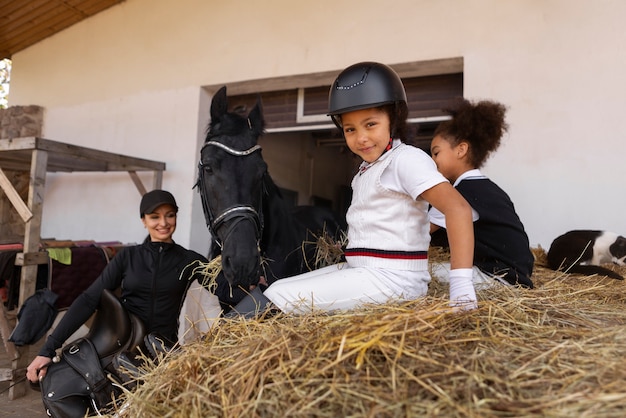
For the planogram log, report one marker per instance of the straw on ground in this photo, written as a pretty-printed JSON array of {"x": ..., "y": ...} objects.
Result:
[{"x": 558, "y": 350}]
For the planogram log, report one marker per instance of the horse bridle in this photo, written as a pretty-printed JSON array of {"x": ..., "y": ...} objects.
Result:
[{"x": 235, "y": 213}]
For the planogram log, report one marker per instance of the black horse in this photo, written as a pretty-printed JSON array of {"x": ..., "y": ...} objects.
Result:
[{"x": 250, "y": 223}]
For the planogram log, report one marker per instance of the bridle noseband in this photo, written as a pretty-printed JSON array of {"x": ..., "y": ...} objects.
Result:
[{"x": 235, "y": 213}]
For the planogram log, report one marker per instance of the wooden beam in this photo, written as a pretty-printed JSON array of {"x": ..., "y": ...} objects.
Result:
[
  {"x": 138, "y": 183},
  {"x": 325, "y": 78},
  {"x": 6, "y": 374},
  {"x": 14, "y": 197},
  {"x": 69, "y": 158},
  {"x": 32, "y": 237},
  {"x": 158, "y": 179},
  {"x": 5, "y": 331},
  {"x": 30, "y": 259}
]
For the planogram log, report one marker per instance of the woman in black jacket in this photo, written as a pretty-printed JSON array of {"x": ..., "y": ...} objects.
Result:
[{"x": 148, "y": 274}]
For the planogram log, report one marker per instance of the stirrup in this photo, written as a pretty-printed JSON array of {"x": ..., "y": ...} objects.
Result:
[
  {"x": 128, "y": 368},
  {"x": 158, "y": 346}
]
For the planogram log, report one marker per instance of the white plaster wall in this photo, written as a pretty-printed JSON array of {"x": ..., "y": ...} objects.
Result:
[
  {"x": 160, "y": 126},
  {"x": 558, "y": 65}
]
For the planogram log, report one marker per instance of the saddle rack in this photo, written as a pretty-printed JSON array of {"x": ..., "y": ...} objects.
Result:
[{"x": 38, "y": 156}]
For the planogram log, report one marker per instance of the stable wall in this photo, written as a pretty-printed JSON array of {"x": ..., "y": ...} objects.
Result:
[{"x": 129, "y": 81}]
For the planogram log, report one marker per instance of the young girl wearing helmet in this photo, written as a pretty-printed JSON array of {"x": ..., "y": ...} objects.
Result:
[{"x": 388, "y": 225}]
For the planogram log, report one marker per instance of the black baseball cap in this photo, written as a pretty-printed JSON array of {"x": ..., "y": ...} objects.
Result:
[{"x": 155, "y": 198}]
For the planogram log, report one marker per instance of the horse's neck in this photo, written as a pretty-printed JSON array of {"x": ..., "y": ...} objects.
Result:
[{"x": 280, "y": 247}]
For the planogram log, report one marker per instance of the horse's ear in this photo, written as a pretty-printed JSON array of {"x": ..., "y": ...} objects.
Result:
[
  {"x": 255, "y": 117},
  {"x": 219, "y": 105}
]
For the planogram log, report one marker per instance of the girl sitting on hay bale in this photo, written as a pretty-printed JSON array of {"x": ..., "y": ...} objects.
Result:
[
  {"x": 460, "y": 147},
  {"x": 388, "y": 226}
]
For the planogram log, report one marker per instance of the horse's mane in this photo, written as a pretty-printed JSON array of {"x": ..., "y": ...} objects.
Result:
[
  {"x": 274, "y": 206},
  {"x": 281, "y": 231}
]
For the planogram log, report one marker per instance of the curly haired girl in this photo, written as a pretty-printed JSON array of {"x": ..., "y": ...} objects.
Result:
[{"x": 460, "y": 148}]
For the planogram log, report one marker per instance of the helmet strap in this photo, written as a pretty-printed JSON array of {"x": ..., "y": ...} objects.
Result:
[
  {"x": 364, "y": 166},
  {"x": 389, "y": 145}
]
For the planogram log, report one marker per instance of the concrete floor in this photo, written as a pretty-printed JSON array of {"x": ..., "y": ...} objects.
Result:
[{"x": 28, "y": 406}]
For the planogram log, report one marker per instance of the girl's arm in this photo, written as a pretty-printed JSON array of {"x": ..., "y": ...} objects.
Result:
[
  {"x": 460, "y": 230},
  {"x": 459, "y": 225}
]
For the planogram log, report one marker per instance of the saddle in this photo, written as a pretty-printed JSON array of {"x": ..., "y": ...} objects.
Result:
[{"x": 85, "y": 379}]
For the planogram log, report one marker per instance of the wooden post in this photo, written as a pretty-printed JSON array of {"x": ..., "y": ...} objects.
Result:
[
  {"x": 42, "y": 154},
  {"x": 32, "y": 233},
  {"x": 157, "y": 179},
  {"x": 32, "y": 237},
  {"x": 138, "y": 184},
  {"x": 14, "y": 197}
]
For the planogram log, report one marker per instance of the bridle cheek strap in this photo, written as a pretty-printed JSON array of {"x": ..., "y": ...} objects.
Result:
[{"x": 234, "y": 213}]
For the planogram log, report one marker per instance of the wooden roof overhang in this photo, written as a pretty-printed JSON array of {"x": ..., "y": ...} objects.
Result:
[
  {"x": 24, "y": 23},
  {"x": 15, "y": 154},
  {"x": 39, "y": 156}
]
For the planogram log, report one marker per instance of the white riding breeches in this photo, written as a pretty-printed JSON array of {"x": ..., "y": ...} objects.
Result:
[
  {"x": 481, "y": 280},
  {"x": 341, "y": 287}
]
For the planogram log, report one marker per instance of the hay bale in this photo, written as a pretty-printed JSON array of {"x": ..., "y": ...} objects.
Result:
[{"x": 557, "y": 350}]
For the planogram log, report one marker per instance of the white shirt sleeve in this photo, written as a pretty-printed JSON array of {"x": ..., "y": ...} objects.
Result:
[
  {"x": 439, "y": 219},
  {"x": 436, "y": 217},
  {"x": 412, "y": 171}
]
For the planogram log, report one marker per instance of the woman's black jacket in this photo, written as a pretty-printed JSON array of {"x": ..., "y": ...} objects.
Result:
[{"x": 152, "y": 287}]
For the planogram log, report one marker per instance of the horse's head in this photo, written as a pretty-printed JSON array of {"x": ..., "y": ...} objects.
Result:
[{"x": 230, "y": 182}]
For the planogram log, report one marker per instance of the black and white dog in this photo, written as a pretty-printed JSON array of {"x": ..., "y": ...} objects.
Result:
[{"x": 583, "y": 251}]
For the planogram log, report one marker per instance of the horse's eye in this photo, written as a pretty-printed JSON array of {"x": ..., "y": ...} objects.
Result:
[{"x": 206, "y": 167}]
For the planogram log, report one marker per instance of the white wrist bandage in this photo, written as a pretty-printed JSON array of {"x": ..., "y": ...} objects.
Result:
[{"x": 462, "y": 293}]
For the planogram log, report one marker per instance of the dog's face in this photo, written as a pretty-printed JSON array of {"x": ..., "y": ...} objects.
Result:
[{"x": 618, "y": 250}]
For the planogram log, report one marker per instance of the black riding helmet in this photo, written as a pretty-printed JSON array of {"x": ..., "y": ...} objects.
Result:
[{"x": 365, "y": 85}]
